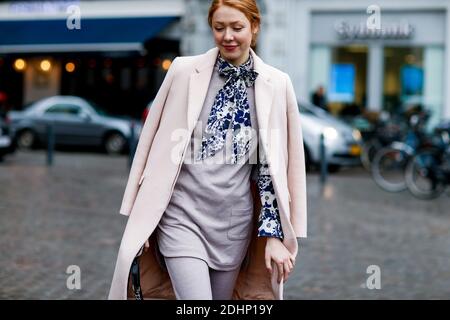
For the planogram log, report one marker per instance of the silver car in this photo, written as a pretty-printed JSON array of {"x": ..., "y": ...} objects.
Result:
[
  {"x": 75, "y": 121},
  {"x": 342, "y": 142}
]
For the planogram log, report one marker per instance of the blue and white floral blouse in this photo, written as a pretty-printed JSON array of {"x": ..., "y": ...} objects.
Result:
[{"x": 231, "y": 107}]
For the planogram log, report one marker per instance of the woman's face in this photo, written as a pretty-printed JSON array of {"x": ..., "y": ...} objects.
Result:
[{"x": 232, "y": 34}]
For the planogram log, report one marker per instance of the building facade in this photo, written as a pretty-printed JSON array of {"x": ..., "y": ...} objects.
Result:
[
  {"x": 115, "y": 53},
  {"x": 387, "y": 55}
]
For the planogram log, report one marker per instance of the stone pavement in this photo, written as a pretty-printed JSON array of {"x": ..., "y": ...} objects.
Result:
[{"x": 52, "y": 218}]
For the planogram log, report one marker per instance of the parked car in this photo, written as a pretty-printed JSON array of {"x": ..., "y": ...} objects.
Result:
[
  {"x": 7, "y": 143},
  {"x": 342, "y": 142},
  {"x": 75, "y": 121}
]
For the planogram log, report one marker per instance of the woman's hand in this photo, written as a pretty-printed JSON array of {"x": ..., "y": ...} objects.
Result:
[{"x": 284, "y": 260}]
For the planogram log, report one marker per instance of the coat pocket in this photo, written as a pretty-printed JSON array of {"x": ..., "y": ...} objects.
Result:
[{"x": 240, "y": 224}]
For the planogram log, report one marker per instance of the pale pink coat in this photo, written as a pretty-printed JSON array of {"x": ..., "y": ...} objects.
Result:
[{"x": 157, "y": 162}]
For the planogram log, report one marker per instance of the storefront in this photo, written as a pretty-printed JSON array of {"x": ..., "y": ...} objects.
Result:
[
  {"x": 362, "y": 65},
  {"x": 115, "y": 53},
  {"x": 398, "y": 64}
]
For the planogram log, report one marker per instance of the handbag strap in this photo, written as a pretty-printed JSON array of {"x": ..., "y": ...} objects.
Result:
[
  {"x": 135, "y": 279},
  {"x": 136, "y": 275}
]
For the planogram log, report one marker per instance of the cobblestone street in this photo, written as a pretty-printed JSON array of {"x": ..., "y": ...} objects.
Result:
[{"x": 54, "y": 217}]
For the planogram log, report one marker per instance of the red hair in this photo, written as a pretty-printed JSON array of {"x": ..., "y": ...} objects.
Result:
[{"x": 247, "y": 7}]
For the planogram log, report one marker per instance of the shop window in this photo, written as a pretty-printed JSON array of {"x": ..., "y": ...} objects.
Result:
[
  {"x": 403, "y": 83},
  {"x": 347, "y": 80}
]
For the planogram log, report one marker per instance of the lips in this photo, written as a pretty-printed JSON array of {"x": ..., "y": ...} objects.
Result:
[{"x": 230, "y": 47}]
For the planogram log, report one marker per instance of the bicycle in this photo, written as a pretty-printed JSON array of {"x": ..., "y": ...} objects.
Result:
[
  {"x": 384, "y": 133},
  {"x": 389, "y": 163},
  {"x": 427, "y": 173}
]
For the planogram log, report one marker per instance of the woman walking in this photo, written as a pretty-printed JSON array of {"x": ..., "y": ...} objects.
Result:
[{"x": 216, "y": 196}]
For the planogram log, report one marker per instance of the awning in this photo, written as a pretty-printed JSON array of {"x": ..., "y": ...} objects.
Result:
[{"x": 95, "y": 34}]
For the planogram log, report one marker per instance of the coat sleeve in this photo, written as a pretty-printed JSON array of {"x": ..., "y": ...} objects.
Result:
[
  {"x": 296, "y": 164},
  {"x": 145, "y": 141}
]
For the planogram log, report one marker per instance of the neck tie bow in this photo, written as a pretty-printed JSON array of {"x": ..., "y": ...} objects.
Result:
[{"x": 230, "y": 107}]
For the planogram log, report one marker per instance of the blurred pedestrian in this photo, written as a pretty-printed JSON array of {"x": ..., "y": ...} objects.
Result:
[{"x": 319, "y": 98}]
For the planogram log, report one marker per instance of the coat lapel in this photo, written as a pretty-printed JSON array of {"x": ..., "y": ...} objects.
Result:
[{"x": 199, "y": 83}]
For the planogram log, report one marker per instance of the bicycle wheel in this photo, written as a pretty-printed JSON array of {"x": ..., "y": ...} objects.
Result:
[
  {"x": 388, "y": 169},
  {"x": 423, "y": 175}
]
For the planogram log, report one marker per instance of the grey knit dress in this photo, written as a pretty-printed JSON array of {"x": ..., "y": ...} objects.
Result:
[{"x": 210, "y": 213}]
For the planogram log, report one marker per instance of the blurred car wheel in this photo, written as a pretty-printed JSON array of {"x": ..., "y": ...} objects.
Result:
[
  {"x": 115, "y": 143},
  {"x": 26, "y": 139}
]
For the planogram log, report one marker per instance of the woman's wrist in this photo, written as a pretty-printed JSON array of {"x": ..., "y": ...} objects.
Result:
[{"x": 273, "y": 239}]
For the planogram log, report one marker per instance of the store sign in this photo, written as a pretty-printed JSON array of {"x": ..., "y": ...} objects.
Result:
[{"x": 346, "y": 31}]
